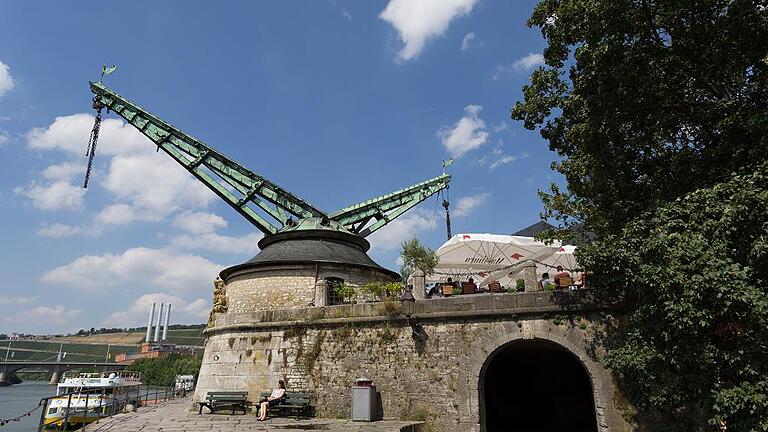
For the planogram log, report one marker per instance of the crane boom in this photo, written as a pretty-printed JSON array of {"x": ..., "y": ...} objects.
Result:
[
  {"x": 387, "y": 207},
  {"x": 194, "y": 155},
  {"x": 242, "y": 189}
]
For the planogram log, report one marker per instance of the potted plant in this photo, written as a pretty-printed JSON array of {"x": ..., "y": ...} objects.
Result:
[{"x": 520, "y": 285}]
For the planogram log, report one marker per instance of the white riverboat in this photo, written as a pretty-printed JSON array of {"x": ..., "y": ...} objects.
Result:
[{"x": 87, "y": 397}]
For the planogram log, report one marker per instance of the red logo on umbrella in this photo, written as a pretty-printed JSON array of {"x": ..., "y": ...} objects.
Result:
[
  {"x": 516, "y": 256},
  {"x": 464, "y": 237}
]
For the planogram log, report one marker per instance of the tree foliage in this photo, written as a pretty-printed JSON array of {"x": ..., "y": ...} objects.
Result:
[
  {"x": 695, "y": 271},
  {"x": 659, "y": 113},
  {"x": 162, "y": 371},
  {"x": 646, "y": 100},
  {"x": 416, "y": 256}
]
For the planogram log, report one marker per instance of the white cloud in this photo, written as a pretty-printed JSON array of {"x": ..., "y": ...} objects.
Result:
[
  {"x": 467, "y": 134},
  {"x": 466, "y": 43},
  {"x": 417, "y": 21},
  {"x": 6, "y": 81},
  {"x": 16, "y": 301},
  {"x": 467, "y": 204},
  {"x": 158, "y": 267},
  {"x": 58, "y": 230},
  {"x": 115, "y": 214},
  {"x": 497, "y": 158},
  {"x": 500, "y": 127},
  {"x": 70, "y": 133},
  {"x": 528, "y": 62},
  {"x": 181, "y": 310},
  {"x": 57, "y": 314},
  {"x": 344, "y": 12},
  {"x": 502, "y": 158},
  {"x": 199, "y": 222},
  {"x": 154, "y": 185},
  {"x": 393, "y": 234},
  {"x": 60, "y": 195},
  {"x": 41, "y": 317},
  {"x": 522, "y": 64},
  {"x": 247, "y": 244},
  {"x": 5, "y": 138},
  {"x": 64, "y": 171}
]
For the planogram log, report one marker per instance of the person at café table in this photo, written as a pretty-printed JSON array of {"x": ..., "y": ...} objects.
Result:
[
  {"x": 544, "y": 281},
  {"x": 561, "y": 274}
]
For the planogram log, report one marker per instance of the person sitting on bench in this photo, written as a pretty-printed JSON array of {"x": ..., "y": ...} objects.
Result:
[{"x": 276, "y": 398}]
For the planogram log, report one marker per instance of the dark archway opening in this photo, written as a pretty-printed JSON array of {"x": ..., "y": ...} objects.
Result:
[{"x": 535, "y": 385}]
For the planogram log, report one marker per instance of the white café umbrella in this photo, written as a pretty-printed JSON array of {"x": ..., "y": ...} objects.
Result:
[
  {"x": 479, "y": 255},
  {"x": 562, "y": 256}
]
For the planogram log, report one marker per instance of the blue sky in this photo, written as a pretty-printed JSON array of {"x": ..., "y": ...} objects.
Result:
[{"x": 338, "y": 101}]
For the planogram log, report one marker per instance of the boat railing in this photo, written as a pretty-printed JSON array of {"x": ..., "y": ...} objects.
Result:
[{"x": 143, "y": 397}]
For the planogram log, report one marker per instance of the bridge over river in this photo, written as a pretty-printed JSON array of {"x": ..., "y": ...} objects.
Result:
[{"x": 56, "y": 368}]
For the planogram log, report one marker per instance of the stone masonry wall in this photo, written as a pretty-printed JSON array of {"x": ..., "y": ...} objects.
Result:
[
  {"x": 325, "y": 349},
  {"x": 286, "y": 287}
]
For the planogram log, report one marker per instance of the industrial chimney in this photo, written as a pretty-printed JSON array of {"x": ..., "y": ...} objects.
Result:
[
  {"x": 149, "y": 324},
  {"x": 159, "y": 322},
  {"x": 167, "y": 320}
]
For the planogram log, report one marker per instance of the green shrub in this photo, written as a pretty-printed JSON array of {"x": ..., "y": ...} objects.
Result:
[
  {"x": 520, "y": 285},
  {"x": 345, "y": 292},
  {"x": 163, "y": 371},
  {"x": 381, "y": 290}
]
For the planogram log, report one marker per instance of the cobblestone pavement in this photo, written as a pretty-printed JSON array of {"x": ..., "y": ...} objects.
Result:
[{"x": 175, "y": 416}]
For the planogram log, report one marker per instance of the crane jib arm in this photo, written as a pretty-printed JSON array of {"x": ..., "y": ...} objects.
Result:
[{"x": 248, "y": 192}]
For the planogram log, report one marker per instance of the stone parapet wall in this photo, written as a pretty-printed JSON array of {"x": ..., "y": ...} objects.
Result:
[
  {"x": 466, "y": 307},
  {"x": 434, "y": 372}
]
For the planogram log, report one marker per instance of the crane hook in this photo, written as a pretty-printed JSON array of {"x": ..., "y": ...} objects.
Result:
[{"x": 90, "y": 151}]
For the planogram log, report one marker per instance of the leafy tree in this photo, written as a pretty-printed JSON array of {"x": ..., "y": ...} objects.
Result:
[
  {"x": 695, "y": 270},
  {"x": 659, "y": 112},
  {"x": 416, "y": 256},
  {"x": 646, "y": 100},
  {"x": 162, "y": 371}
]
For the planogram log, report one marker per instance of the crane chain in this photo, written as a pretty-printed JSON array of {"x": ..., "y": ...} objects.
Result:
[{"x": 92, "y": 140}]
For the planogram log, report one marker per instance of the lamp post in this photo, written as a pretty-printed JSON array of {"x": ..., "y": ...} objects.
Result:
[{"x": 408, "y": 302}]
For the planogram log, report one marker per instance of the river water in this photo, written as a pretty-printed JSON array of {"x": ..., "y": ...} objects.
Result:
[{"x": 20, "y": 398}]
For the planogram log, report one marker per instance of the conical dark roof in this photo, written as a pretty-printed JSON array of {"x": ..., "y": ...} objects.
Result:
[{"x": 311, "y": 246}]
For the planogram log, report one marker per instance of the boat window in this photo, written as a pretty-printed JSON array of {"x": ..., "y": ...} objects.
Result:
[{"x": 52, "y": 411}]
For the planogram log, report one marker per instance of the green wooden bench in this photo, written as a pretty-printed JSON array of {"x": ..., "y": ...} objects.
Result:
[
  {"x": 295, "y": 404},
  {"x": 218, "y": 399}
]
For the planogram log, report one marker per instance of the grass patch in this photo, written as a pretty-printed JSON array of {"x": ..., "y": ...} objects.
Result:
[{"x": 389, "y": 308}]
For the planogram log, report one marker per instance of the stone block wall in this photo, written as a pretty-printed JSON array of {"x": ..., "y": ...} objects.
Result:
[
  {"x": 436, "y": 373},
  {"x": 286, "y": 287}
]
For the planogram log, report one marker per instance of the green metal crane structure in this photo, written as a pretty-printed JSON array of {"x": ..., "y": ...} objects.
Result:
[{"x": 269, "y": 207}]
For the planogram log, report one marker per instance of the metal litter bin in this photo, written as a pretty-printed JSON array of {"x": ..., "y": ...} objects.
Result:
[{"x": 363, "y": 400}]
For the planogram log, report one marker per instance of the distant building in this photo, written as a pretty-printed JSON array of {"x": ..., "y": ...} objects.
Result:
[{"x": 156, "y": 347}]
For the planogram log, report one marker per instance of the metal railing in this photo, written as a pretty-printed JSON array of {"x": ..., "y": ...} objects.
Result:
[{"x": 140, "y": 398}]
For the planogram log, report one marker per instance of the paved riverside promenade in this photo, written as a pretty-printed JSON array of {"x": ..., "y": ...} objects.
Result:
[{"x": 175, "y": 416}]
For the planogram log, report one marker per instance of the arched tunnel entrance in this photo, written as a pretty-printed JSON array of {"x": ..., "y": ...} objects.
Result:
[{"x": 535, "y": 385}]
